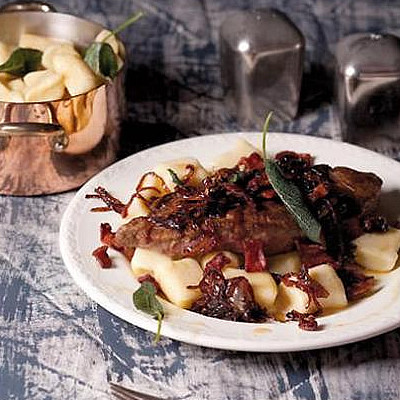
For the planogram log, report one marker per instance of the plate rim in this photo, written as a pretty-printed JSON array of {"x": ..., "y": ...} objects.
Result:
[{"x": 145, "y": 322}]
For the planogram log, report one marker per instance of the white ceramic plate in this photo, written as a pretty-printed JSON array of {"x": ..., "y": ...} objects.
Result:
[{"x": 113, "y": 288}]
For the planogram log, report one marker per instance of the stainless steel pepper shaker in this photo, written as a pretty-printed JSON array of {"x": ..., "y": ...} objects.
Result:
[
  {"x": 368, "y": 90},
  {"x": 261, "y": 65}
]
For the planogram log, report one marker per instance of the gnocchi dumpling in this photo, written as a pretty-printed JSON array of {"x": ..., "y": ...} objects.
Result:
[
  {"x": 152, "y": 185},
  {"x": 285, "y": 263},
  {"x": 233, "y": 263},
  {"x": 6, "y": 94},
  {"x": 38, "y": 42},
  {"x": 183, "y": 168},
  {"x": 263, "y": 284},
  {"x": 43, "y": 86},
  {"x": 143, "y": 261},
  {"x": 16, "y": 97},
  {"x": 17, "y": 85},
  {"x": 291, "y": 298},
  {"x": 241, "y": 148},
  {"x": 137, "y": 208},
  {"x": 78, "y": 77},
  {"x": 59, "y": 57},
  {"x": 327, "y": 277},
  {"x": 59, "y": 48},
  {"x": 174, "y": 277},
  {"x": 378, "y": 251}
]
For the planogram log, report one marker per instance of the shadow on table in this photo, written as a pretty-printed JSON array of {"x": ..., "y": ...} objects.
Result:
[
  {"x": 163, "y": 109},
  {"x": 317, "y": 88},
  {"x": 137, "y": 136}
]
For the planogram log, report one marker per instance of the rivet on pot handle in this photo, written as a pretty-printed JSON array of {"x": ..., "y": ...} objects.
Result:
[
  {"x": 28, "y": 6},
  {"x": 56, "y": 134}
]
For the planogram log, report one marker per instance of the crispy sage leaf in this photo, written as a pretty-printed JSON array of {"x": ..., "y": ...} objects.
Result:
[
  {"x": 290, "y": 194},
  {"x": 22, "y": 61},
  {"x": 145, "y": 300}
]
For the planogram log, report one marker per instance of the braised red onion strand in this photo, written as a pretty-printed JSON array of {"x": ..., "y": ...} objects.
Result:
[
  {"x": 100, "y": 209},
  {"x": 304, "y": 282},
  {"x": 312, "y": 254},
  {"x": 219, "y": 261},
  {"x": 307, "y": 322},
  {"x": 111, "y": 201},
  {"x": 102, "y": 257},
  {"x": 158, "y": 177},
  {"x": 254, "y": 257}
]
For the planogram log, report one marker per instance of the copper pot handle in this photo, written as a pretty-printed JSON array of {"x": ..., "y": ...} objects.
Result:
[
  {"x": 28, "y": 6},
  {"x": 55, "y": 132}
]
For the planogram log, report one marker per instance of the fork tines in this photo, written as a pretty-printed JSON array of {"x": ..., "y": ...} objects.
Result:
[{"x": 122, "y": 393}]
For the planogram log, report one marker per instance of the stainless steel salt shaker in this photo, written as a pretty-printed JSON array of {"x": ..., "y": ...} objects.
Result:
[
  {"x": 261, "y": 65},
  {"x": 368, "y": 90}
]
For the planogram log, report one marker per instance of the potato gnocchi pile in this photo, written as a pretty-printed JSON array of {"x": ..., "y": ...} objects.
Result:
[
  {"x": 178, "y": 278},
  {"x": 63, "y": 72}
]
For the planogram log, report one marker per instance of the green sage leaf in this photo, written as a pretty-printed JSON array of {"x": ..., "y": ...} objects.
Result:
[
  {"x": 175, "y": 177},
  {"x": 292, "y": 198},
  {"x": 145, "y": 300},
  {"x": 290, "y": 194},
  {"x": 101, "y": 59},
  {"x": 22, "y": 61}
]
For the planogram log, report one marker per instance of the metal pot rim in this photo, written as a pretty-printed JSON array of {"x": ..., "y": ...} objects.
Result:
[{"x": 52, "y": 13}]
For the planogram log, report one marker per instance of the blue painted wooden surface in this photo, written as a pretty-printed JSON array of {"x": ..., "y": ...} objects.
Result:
[{"x": 55, "y": 343}]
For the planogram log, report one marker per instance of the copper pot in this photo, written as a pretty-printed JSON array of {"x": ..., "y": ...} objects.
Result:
[{"x": 50, "y": 147}]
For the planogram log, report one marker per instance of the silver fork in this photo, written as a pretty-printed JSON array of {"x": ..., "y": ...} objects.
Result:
[{"x": 122, "y": 393}]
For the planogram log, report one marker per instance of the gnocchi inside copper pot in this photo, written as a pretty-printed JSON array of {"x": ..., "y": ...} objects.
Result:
[{"x": 59, "y": 124}]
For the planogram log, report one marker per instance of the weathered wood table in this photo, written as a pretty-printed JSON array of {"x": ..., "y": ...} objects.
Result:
[{"x": 55, "y": 343}]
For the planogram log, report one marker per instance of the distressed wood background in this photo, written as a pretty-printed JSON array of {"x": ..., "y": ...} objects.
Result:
[{"x": 55, "y": 343}]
